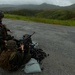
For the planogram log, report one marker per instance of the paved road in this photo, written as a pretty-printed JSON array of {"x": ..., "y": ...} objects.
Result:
[{"x": 58, "y": 41}]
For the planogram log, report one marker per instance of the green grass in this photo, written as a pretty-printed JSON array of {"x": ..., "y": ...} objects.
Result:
[{"x": 42, "y": 20}]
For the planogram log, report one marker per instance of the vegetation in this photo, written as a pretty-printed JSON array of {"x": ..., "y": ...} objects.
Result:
[
  {"x": 63, "y": 17},
  {"x": 45, "y": 13},
  {"x": 43, "y": 20},
  {"x": 48, "y": 14}
]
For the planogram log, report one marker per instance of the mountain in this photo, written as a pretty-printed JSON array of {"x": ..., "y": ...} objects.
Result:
[
  {"x": 46, "y": 6},
  {"x": 43, "y": 6},
  {"x": 71, "y": 7}
]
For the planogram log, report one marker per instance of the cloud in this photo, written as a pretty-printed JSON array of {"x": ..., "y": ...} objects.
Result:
[
  {"x": 73, "y": 1},
  {"x": 56, "y": 2},
  {"x": 62, "y": 2}
]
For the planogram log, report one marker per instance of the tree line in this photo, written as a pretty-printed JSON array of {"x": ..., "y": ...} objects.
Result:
[{"x": 49, "y": 14}]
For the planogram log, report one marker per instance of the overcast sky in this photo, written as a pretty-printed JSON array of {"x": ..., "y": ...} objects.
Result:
[{"x": 55, "y": 2}]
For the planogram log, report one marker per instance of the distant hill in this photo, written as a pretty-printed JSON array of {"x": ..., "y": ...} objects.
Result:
[
  {"x": 43, "y": 6},
  {"x": 71, "y": 7}
]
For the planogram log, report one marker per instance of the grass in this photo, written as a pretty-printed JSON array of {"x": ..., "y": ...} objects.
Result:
[{"x": 42, "y": 20}]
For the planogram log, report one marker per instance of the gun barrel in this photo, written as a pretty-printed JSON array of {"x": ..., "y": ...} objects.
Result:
[{"x": 33, "y": 33}]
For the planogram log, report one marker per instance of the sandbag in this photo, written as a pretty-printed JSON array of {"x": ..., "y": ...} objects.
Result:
[{"x": 32, "y": 66}]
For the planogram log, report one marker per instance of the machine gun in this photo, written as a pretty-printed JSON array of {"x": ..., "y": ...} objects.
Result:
[{"x": 27, "y": 38}]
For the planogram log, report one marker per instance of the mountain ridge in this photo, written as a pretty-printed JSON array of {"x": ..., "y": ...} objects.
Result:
[{"x": 43, "y": 6}]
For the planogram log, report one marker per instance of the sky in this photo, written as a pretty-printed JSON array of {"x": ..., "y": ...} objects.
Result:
[{"x": 55, "y": 2}]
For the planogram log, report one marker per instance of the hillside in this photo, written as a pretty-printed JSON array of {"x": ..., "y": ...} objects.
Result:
[
  {"x": 44, "y": 10},
  {"x": 43, "y": 6},
  {"x": 71, "y": 7}
]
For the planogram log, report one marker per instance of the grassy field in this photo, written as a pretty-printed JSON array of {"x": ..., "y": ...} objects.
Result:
[{"x": 42, "y": 20}]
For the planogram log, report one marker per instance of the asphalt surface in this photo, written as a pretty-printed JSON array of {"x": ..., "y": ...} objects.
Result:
[{"x": 58, "y": 41}]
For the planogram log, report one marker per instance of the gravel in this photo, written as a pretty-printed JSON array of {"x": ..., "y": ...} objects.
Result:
[{"x": 57, "y": 41}]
